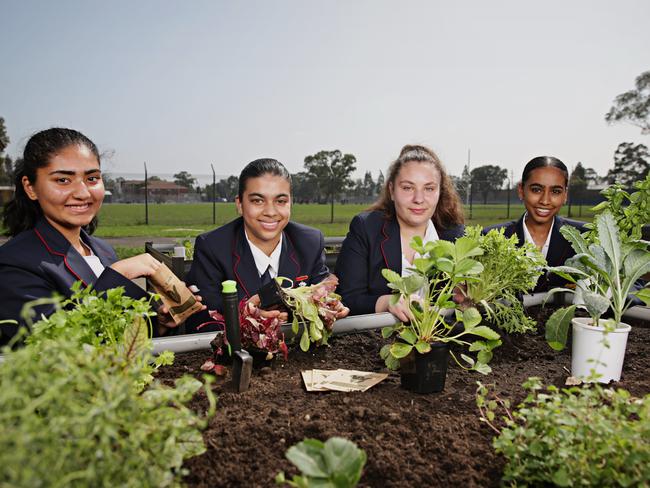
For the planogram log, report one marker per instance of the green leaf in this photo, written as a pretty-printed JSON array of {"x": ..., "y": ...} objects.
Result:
[
  {"x": 413, "y": 283},
  {"x": 391, "y": 276},
  {"x": 408, "y": 336},
  {"x": 422, "y": 264},
  {"x": 596, "y": 304},
  {"x": 466, "y": 247},
  {"x": 468, "y": 267},
  {"x": 635, "y": 265},
  {"x": 445, "y": 265},
  {"x": 471, "y": 318},
  {"x": 561, "y": 478},
  {"x": 643, "y": 295},
  {"x": 304, "y": 340},
  {"x": 305, "y": 456},
  {"x": 423, "y": 347},
  {"x": 484, "y": 356},
  {"x": 482, "y": 368},
  {"x": 578, "y": 243},
  {"x": 344, "y": 461},
  {"x": 608, "y": 235},
  {"x": 557, "y": 327},
  {"x": 400, "y": 350},
  {"x": 485, "y": 332}
]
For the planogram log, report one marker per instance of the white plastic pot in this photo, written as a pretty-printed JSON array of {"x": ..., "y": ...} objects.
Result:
[{"x": 589, "y": 351}]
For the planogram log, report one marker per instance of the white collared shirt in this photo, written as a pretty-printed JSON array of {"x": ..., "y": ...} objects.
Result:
[
  {"x": 262, "y": 261},
  {"x": 93, "y": 261},
  {"x": 529, "y": 238},
  {"x": 430, "y": 235}
]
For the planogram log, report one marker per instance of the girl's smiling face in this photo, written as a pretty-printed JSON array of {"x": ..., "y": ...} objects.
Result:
[
  {"x": 416, "y": 192},
  {"x": 543, "y": 193},
  {"x": 266, "y": 208},
  {"x": 69, "y": 189}
]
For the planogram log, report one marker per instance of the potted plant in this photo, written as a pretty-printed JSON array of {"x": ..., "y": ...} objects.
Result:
[
  {"x": 605, "y": 274},
  {"x": 422, "y": 346}
]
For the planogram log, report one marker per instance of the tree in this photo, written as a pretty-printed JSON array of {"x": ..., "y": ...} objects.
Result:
[
  {"x": 488, "y": 178},
  {"x": 184, "y": 179},
  {"x": 631, "y": 163},
  {"x": 330, "y": 171},
  {"x": 633, "y": 106},
  {"x": 577, "y": 185},
  {"x": 227, "y": 188},
  {"x": 4, "y": 137},
  {"x": 592, "y": 178},
  {"x": 301, "y": 188},
  {"x": 380, "y": 183},
  {"x": 368, "y": 185}
]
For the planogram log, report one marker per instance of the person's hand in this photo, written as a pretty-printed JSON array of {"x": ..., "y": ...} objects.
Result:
[
  {"x": 254, "y": 301},
  {"x": 342, "y": 312},
  {"x": 137, "y": 266},
  {"x": 400, "y": 310},
  {"x": 164, "y": 318}
]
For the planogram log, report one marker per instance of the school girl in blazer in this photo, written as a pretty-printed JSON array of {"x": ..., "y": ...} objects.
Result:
[
  {"x": 260, "y": 245},
  {"x": 58, "y": 192},
  {"x": 418, "y": 199},
  {"x": 40, "y": 261},
  {"x": 543, "y": 190},
  {"x": 224, "y": 254}
]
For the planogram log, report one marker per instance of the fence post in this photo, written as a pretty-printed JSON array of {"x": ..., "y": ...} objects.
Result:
[
  {"x": 471, "y": 198},
  {"x": 214, "y": 196},
  {"x": 146, "y": 195}
]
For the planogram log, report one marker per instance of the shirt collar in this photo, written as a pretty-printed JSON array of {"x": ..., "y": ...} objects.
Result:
[
  {"x": 529, "y": 238},
  {"x": 262, "y": 261}
]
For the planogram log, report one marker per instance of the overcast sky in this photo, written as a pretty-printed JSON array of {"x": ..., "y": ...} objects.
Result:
[{"x": 181, "y": 85}]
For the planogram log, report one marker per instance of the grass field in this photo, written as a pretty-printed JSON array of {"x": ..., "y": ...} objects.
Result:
[{"x": 185, "y": 220}]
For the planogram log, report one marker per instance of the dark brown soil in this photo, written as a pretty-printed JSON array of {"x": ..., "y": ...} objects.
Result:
[{"x": 410, "y": 439}]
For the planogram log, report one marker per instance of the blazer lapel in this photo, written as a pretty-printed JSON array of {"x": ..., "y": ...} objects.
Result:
[
  {"x": 58, "y": 245},
  {"x": 289, "y": 265},
  {"x": 391, "y": 245},
  {"x": 558, "y": 248},
  {"x": 519, "y": 229},
  {"x": 244, "y": 267}
]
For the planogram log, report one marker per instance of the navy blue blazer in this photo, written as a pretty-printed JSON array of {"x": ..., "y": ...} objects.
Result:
[
  {"x": 559, "y": 249},
  {"x": 40, "y": 261},
  {"x": 224, "y": 254},
  {"x": 372, "y": 244}
]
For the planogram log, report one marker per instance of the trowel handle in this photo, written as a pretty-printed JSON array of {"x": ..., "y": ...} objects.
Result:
[{"x": 231, "y": 314}]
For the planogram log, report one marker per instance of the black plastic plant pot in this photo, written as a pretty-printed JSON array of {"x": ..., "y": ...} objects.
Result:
[{"x": 425, "y": 373}]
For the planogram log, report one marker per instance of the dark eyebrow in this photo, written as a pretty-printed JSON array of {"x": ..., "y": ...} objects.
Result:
[
  {"x": 259, "y": 195},
  {"x": 72, "y": 173}
]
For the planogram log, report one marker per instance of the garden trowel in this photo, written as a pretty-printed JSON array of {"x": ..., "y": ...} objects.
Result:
[{"x": 242, "y": 362}]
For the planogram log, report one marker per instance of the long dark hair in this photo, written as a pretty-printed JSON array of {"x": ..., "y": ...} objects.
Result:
[
  {"x": 544, "y": 162},
  {"x": 21, "y": 213},
  {"x": 261, "y": 167},
  {"x": 449, "y": 210}
]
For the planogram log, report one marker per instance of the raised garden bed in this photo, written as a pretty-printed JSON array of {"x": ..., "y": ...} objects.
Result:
[{"x": 410, "y": 439}]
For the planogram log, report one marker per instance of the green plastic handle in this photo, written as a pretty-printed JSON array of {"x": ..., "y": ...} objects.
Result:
[{"x": 229, "y": 286}]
